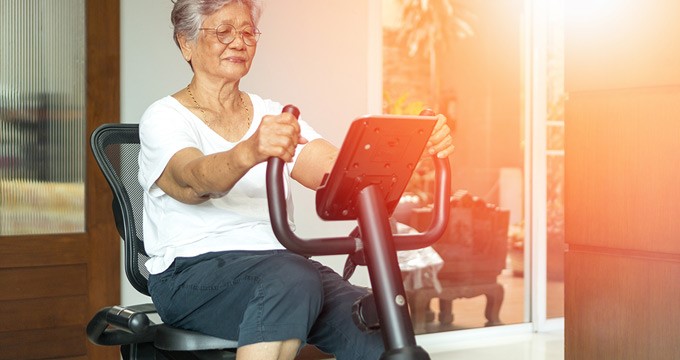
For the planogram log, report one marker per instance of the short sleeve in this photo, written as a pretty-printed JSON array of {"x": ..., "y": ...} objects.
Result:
[{"x": 163, "y": 131}]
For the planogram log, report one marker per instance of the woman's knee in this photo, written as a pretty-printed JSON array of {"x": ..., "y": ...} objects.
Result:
[{"x": 297, "y": 277}]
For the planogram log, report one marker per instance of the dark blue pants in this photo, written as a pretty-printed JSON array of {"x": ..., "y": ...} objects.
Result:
[{"x": 257, "y": 296}]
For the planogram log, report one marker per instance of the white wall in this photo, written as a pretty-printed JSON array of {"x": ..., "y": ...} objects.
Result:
[{"x": 319, "y": 55}]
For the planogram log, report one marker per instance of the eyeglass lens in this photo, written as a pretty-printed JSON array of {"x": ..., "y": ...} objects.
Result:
[{"x": 227, "y": 33}]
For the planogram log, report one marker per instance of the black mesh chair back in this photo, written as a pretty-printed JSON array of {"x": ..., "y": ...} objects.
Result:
[{"x": 116, "y": 149}]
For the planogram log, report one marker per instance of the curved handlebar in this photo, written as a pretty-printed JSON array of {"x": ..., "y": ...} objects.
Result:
[
  {"x": 278, "y": 213},
  {"x": 442, "y": 207},
  {"x": 440, "y": 216}
]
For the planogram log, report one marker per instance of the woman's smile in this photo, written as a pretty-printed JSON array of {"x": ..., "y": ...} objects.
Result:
[{"x": 236, "y": 59}]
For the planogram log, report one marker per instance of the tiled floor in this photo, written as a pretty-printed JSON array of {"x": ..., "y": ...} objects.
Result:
[{"x": 537, "y": 346}]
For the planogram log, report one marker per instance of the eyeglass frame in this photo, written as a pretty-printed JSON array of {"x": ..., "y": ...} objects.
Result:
[{"x": 256, "y": 33}]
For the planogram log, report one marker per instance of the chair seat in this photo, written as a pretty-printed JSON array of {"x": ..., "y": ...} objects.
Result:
[{"x": 174, "y": 339}]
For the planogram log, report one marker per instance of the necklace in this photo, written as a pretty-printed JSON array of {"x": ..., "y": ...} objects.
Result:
[{"x": 200, "y": 108}]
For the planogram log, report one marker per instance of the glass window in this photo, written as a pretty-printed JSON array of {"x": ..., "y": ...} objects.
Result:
[
  {"x": 42, "y": 125},
  {"x": 463, "y": 59}
]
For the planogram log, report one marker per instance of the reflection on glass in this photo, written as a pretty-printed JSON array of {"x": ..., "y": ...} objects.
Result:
[
  {"x": 42, "y": 107},
  {"x": 462, "y": 58}
]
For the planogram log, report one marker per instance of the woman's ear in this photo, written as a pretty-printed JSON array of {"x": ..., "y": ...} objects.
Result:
[{"x": 186, "y": 47}]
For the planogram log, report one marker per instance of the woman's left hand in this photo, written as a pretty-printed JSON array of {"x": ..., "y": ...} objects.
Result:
[{"x": 441, "y": 141}]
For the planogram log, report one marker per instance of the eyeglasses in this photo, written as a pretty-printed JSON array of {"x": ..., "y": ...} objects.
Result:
[{"x": 227, "y": 33}]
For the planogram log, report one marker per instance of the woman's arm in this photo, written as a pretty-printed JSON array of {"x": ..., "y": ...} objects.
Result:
[
  {"x": 192, "y": 177},
  {"x": 315, "y": 160}
]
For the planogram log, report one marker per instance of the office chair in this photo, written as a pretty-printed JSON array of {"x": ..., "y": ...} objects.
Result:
[{"x": 116, "y": 147}]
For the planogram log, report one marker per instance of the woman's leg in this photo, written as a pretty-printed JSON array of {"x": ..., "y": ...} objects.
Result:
[
  {"x": 286, "y": 349},
  {"x": 253, "y": 297},
  {"x": 334, "y": 331}
]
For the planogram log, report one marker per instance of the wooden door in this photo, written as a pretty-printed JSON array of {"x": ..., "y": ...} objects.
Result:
[
  {"x": 51, "y": 285},
  {"x": 622, "y": 198}
]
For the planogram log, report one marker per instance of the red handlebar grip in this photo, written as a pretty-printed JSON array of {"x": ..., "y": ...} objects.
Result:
[
  {"x": 427, "y": 112},
  {"x": 292, "y": 109}
]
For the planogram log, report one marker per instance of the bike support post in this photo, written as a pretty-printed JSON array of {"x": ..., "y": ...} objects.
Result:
[{"x": 388, "y": 287}]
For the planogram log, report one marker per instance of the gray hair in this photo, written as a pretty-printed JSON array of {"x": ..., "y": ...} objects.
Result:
[{"x": 188, "y": 15}]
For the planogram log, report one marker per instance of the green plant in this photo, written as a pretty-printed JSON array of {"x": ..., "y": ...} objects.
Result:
[
  {"x": 401, "y": 105},
  {"x": 427, "y": 23}
]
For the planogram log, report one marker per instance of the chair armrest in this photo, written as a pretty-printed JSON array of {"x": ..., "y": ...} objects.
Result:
[{"x": 117, "y": 325}]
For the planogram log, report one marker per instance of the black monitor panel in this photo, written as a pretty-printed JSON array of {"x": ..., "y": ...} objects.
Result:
[{"x": 380, "y": 150}]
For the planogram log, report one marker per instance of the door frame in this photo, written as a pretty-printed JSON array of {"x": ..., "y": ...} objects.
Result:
[{"x": 103, "y": 106}]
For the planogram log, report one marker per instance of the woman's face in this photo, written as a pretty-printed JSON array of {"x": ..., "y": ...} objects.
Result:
[{"x": 209, "y": 57}]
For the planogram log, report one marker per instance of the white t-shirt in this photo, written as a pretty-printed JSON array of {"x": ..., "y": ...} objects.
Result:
[{"x": 237, "y": 221}]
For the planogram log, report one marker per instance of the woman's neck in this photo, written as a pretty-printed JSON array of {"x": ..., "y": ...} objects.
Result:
[{"x": 219, "y": 97}]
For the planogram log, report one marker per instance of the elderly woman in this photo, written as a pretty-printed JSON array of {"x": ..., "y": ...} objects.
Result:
[{"x": 216, "y": 266}]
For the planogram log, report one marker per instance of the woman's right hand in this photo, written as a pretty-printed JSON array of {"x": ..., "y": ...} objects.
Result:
[{"x": 278, "y": 136}]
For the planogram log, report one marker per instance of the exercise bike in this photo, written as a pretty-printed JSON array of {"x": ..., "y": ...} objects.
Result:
[
  {"x": 375, "y": 162},
  {"x": 365, "y": 184}
]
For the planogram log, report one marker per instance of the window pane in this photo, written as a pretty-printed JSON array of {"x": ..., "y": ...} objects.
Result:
[
  {"x": 462, "y": 58},
  {"x": 42, "y": 109}
]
